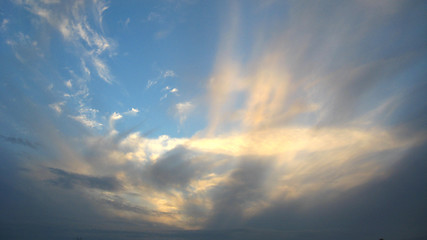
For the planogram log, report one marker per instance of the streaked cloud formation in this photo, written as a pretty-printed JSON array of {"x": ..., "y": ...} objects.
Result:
[{"x": 279, "y": 120}]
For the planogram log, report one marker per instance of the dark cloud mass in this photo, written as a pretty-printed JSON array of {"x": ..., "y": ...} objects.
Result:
[
  {"x": 20, "y": 141},
  {"x": 69, "y": 180},
  {"x": 391, "y": 206},
  {"x": 176, "y": 169},
  {"x": 243, "y": 189}
]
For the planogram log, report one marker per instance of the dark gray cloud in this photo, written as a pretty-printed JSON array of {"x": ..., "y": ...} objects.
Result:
[
  {"x": 358, "y": 52},
  {"x": 243, "y": 188},
  {"x": 176, "y": 169},
  {"x": 20, "y": 141},
  {"x": 69, "y": 180},
  {"x": 392, "y": 207},
  {"x": 121, "y": 204},
  {"x": 352, "y": 89},
  {"x": 26, "y": 201}
]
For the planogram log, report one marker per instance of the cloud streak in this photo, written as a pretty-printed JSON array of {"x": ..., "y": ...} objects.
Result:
[
  {"x": 20, "y": 141},
  {"x": 71, "y": 20},
  {"x": 69, "y": 180}
]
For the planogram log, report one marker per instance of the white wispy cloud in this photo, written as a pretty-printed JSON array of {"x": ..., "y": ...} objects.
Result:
[
  {"x": 68, "y": 84},
  {"x": 127, "y": 22},
  {"x": 87, "y": 116},
  {"x": 116, "y": 116},
  {"x": 169, "y": 90},
  {"x": 83, "y": 119},
  {"x": 169, "y": 73},
  {"x": 154, "y": 17},
  {"x": 132, "y": 111},
  {"x": 141, "y": 149},
  {"x": 4, "y": 23},
  {"x": 57, "y": 106},
  {"x": 162, "y": 75},
  {"x": 25, "y": 48},
  {"x": 101, "y": 7},
  {"x": 151, "y": 83},
  {"x": 72, "y": 22},
  {"x": 162, "y": 34},
  {"x": 102, "y": 69},
  {"x": 84, "y": 67},
  {"x": 50, "y": 1},
  {"x": 94, "y": 40},
  {"x": 182, "y": 110},
  {"x": 113, "y": 118}
]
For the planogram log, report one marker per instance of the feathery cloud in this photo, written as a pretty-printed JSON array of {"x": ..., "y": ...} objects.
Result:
[
  {"x": 68, "y": 84},
  {"x": 85, "y": 120},
  {"x": 182, "y": 110},
  {"x": 71, "y": 21},
  {"x": 3, "y": 25},
  {"x": 57, "y": 106},
  {"x": 132, "y": 111},
  {"x": 168, "y": 73}
]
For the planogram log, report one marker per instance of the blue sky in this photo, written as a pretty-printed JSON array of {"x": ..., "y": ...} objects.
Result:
[{"x": 213, "y": 119}]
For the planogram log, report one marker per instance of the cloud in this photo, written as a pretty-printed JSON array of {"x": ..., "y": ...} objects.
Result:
[
  {"x": 102, "y": 69},
  {"x": 57, "y": 106},
  {"x": 115, "y": 116},
  {"x": 51, "y": 1},
  {"x": 127, "y": 22},
  {"x": 3, "y": 25},
  {"x": 150, "y": 83},
  {"x": 162, "y": 75},
  {"x": 68, "y": 84},
  {"x": 20, "y": 141},
  {"x": 70, "y": 180},
  {"x": 71, "y": 20},
  {"x": 162, "y": 34},
  {"x": 74, "y": 21},
  {"x": 239, "y": 194},
  {"x": 305, "y": 139},
  {"x": 85, "y": 68},
  {"x": 174, "y": 170},
  {"x": 204, "y": 179},
  {"x": 101, "y": 7},
  {"x": 169, "y": 90},
  {"x": 50, "y": 87},
  {"x": 85, "y": 120},
  {"x": 141, "y": 149},
  {"x": 182, "y": 110},
  {"x": 276, "y": 141},
  {"x": 25, "y": 48},
  {"x": 168, "y": 73},
  {"x": 361, "y": 207},
  {"x": 132, "y": 112},
  {"x": 153, "y": 16}
]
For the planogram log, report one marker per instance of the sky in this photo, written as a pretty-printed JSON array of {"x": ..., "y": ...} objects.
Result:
[{"x": 186, "y": 119}]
